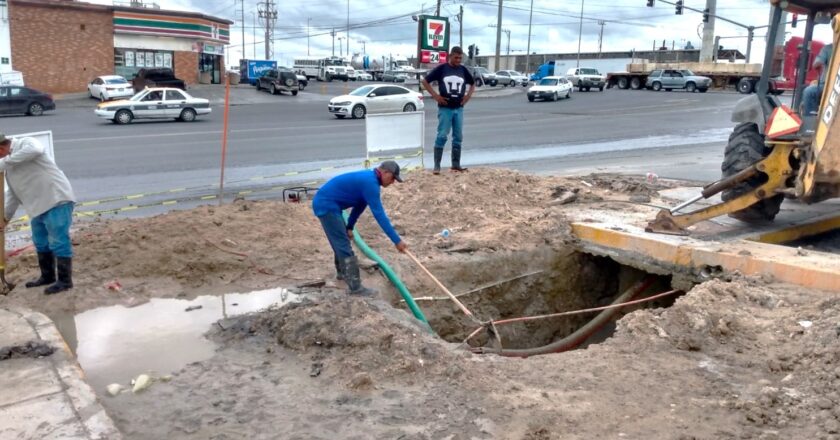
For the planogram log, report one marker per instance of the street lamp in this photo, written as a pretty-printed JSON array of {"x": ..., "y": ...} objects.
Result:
[{"x": 308, "y": 20}]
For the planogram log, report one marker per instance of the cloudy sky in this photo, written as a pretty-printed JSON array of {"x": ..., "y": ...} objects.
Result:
[{"x": 385, "y": 26}]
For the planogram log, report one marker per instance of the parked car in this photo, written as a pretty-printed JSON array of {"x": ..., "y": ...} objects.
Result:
[
  {"x": 375, "y": 99},
  {"x": 364, "y": 76},
  {"x": 394, "y": 76},
  {"x": 669, "y": 79},
  {"x": 511, "y": 78},
  {"x": 154, "y": 103},
  {"x": 107, "y": 87},
  {"x": 482, "y": 76},
  {"x": 550, "y": 88},
  {"x": 278, "y": 81},
  {"x": 586, "y": 78},
  {"x": 24, "y": 100},
  {"x": 158, "y": 77}
]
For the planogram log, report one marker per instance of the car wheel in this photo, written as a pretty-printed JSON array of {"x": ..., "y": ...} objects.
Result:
[
  {"x": 187, "y": 115},
  {"x": 359, "y": 111},
  {"x": 745, "y": 86},
  {"x": 35, "y": 109},
  {"x": 635, "y": 83},
  {"x": 555, "y": 97},
  {"x": 568, "y": 94},
  {"x": 409, "y": 107},
  {"x": 102, "y": 97},
  {"x": 530, "y": 99},
  {"x": 289, "y": 82},
  {"x": 273, "y": 89},
  {"x": 657, "y": 86},
  {"x": 513, "y": 83},
  {"x": 329, "y": 78},
  {"x": 690, "y": 87},
  {"x": 294, "y": 92},
  {"x": 623, "y": 83},
  {"x": 479, "y": 83},
  {"x": 257, "y": 84},
  {"x": 301, "y": 86},
  {"x": 123, "y": 117}
]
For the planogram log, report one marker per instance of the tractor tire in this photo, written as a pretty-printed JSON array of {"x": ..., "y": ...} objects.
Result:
[
  {"x": 746, "y": 86},
  {"x": 623, "y": 83},
  {"x": 746, "y": 147},
  {"x": 635, "y": 83}
]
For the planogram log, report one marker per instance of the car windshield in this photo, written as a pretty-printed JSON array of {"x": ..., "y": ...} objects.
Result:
[
  {"x": 589, "y": 71},
  {"x": 548, "y": 82},
  {"x": 515, "y": 73},
  {"x": 687, "y": 72},
  {"x": 362, "y": 91},
  {"x": 116, "y": 81}
]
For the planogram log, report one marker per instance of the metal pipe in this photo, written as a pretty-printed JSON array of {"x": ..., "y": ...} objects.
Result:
[
  {"x": 804, "y": 57},
  {"x": 580, "y": 33},
  {"x": 764, "y": 82},
  {"x": 528, "y": 51}
]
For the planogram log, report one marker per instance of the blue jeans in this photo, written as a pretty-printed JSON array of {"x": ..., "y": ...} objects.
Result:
[
  {"x": 811, "y": 99},
  {"x": 450, "y": 119},
  {"x": 51, "y": 231},
  {"x": 336, "y": 231}
]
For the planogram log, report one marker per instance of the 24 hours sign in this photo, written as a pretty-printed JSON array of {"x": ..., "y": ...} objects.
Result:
[{"x": 434, "y": 33}]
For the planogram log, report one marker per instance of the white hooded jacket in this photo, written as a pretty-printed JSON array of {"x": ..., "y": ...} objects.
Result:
[{"x": 33, "y": 179}]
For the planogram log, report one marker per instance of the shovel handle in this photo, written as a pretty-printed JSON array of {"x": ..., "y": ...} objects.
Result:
[{"x": 439, "y": 284}]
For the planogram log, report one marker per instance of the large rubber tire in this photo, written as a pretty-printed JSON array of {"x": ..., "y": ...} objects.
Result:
[
  {"x": 359, "y": 111},
  {"x": 690, "y": 87},
  {"x": 636, "y": 83},
  {"x": 657, "y": 86},
  {"x": 745, "y": 86},
  {"x": 409, "y": 107},
  {"x": 187, "y": 115},
  {"x": 123, "y": 117},
  {"x": 35, "y": 109},
  {"x": 746, "y": 147},
  {"x": 273, "y": 89},
  {"x": 623, "y": 83}
]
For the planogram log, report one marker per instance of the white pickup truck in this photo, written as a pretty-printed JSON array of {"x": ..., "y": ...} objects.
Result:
[{"x": 585, "y": 78}]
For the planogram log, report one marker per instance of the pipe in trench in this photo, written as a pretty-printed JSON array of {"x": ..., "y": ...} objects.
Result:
[{"x": 583, "y": 333}]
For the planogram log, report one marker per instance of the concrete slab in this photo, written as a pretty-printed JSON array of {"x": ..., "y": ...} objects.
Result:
[
  {"x": 46, "y": 397},
  {"x": 715, "y": 247}
]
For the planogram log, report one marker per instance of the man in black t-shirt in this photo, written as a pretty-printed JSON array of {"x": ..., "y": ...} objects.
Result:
[{"x": 455, "y": 88}]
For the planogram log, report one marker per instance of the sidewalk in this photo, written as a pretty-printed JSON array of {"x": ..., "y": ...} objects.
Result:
[{"x": 44, "y": 393}]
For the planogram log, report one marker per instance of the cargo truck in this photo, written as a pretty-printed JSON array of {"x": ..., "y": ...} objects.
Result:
[{"x": 251, "y": 70}]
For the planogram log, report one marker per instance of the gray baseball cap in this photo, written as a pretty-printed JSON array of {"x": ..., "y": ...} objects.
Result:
[{"x": 393, "y": 168}]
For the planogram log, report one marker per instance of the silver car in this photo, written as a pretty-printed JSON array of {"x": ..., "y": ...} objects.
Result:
[{"x": 669, "y": 79}]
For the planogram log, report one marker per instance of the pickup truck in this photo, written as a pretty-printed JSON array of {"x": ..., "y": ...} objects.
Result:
[
  {"x": 156, "y": 78},
  {"x": 585, "y": 78}
]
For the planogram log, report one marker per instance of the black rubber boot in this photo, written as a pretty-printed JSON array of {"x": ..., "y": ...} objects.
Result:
[
  {"x": 65, "y": 276},
  {"x": 438, "y": 158},
  {"x": 46, "y": 261},
  {"x": 456, "y": 160},
  {"x": 339, "y": 272},
  {"x": 354, "y": 278}
]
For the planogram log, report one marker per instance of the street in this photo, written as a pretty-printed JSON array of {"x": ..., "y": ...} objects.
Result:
[{"x": 614, "y": 130}]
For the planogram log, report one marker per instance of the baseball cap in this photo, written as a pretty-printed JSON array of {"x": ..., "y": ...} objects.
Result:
[{"x": 393, "y": 168}]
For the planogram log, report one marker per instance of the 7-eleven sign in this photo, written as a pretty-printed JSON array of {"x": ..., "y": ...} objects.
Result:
[{"x": 434, "y": 33}]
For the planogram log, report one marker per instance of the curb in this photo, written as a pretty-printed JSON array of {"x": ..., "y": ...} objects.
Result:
[{"x": 81, "y": 396}]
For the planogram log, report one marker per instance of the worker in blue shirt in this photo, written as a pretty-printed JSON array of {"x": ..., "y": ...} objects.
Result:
[{"x": 356, "y": 190}]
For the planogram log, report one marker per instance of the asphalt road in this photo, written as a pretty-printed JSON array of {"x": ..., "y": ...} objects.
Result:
[{"x": 674, "y": 134}]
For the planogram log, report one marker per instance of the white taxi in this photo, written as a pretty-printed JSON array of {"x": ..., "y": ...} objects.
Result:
[
  {"x": 550, "y": 88},
  {"x": 154, "y": 103}
]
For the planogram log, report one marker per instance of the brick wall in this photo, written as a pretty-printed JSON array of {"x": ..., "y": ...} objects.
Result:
[
  {"x": 186, "y": 66},
  {"x": 60, "y": 48}
]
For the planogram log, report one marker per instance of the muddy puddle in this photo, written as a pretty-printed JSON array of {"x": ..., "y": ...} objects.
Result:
[{"x": 115, "y": 344}]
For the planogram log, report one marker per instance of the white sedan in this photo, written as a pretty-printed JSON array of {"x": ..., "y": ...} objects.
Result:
[
  {"x": 364, "y": 76},
  {"x": 550, "y": 88},
  {"x": 154, "y": 103},
  {"x": 375, "y": 99},
  {"x": 105, "y": 88}
]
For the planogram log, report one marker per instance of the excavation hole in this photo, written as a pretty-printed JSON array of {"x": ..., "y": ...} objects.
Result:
[{"x": 553, "y": 282}]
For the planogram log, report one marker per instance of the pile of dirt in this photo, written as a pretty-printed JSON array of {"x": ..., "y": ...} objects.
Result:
[{"x": 251, "y": 245}]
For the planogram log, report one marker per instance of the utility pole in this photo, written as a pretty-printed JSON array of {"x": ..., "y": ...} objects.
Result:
[
  {"x": 528, "y": 51},
  {"x": 437, "y": 9},
  {"x": 308, "y": 20},
  {"x": 242, "y": 4},
  {"x": 499, "y": 37},
  {"x": 601, "y": 23},
  {"x": 580, "y": 33},
  {"x": 348, "y": 27},
  {"x": 708, "y": 48},
  {"x": 364, "y": 47},
  {"x": 332, "y": 33},
  {"x": 254, "y": 31},
  {"x": 268, "y": 15},
  {"x": 461, "y": 27},
  {"x": 340, "y": 46}
]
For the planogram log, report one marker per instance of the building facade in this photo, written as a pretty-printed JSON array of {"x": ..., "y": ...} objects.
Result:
[{"x": 61, "y": 45}]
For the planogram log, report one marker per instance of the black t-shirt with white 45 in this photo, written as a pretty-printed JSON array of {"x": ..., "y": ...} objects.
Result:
[{"x": 452, "y": 83}]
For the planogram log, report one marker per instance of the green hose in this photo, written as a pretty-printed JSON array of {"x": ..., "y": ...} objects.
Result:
[{"x": 392, "y": 277}]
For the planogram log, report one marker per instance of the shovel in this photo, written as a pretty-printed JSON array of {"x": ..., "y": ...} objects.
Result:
[{"x": 5, "y": 285}]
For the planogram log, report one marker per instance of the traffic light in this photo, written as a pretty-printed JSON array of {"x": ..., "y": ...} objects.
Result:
[
  {"x": 706, "y": 15},
  {"x": 476, "y": 51},
  {"x": 650, "y": 3},
  {"x": 679, "y": 6},
  {"x": 471, "y": 51}
]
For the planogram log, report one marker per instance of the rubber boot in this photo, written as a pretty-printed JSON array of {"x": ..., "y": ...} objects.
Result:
[
  {"x": 339, "y": 272},
  {"x": 354, "y": 278},
  {"x": 438, "y": 158},
  {"x": 65, "y": 276},
  {"x": 456, "y": 160},
  {"x": 46, "y": 261}
]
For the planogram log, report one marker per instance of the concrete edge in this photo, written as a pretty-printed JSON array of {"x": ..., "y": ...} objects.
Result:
[{"x": 81, "y": 395}]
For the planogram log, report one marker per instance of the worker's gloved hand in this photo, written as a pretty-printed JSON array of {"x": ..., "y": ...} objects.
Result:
[
  {"x": 350, "y": 234},
  {"x": 441, "y": 100},
  {"x": 402, "y": 247}
]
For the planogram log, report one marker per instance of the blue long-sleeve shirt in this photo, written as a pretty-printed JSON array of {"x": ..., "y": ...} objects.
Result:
[{"x": 357, "y": 190}]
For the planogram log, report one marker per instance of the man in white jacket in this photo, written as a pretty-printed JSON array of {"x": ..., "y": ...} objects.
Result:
[{"x": 35, "y": 181}]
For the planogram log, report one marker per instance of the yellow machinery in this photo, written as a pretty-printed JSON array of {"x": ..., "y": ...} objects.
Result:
[{"x": 774, "y": 153}]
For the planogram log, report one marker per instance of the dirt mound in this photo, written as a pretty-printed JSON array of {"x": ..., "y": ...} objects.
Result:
[{"x": 349, "y": 336}]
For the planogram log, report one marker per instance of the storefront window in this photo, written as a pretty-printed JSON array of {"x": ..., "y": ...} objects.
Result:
[
  {"x": 127, "y": 62},
  {"x": 211, "y": 65}
]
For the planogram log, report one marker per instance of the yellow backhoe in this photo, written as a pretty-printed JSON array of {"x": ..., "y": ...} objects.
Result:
[{"x": 774, "y": 153}]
